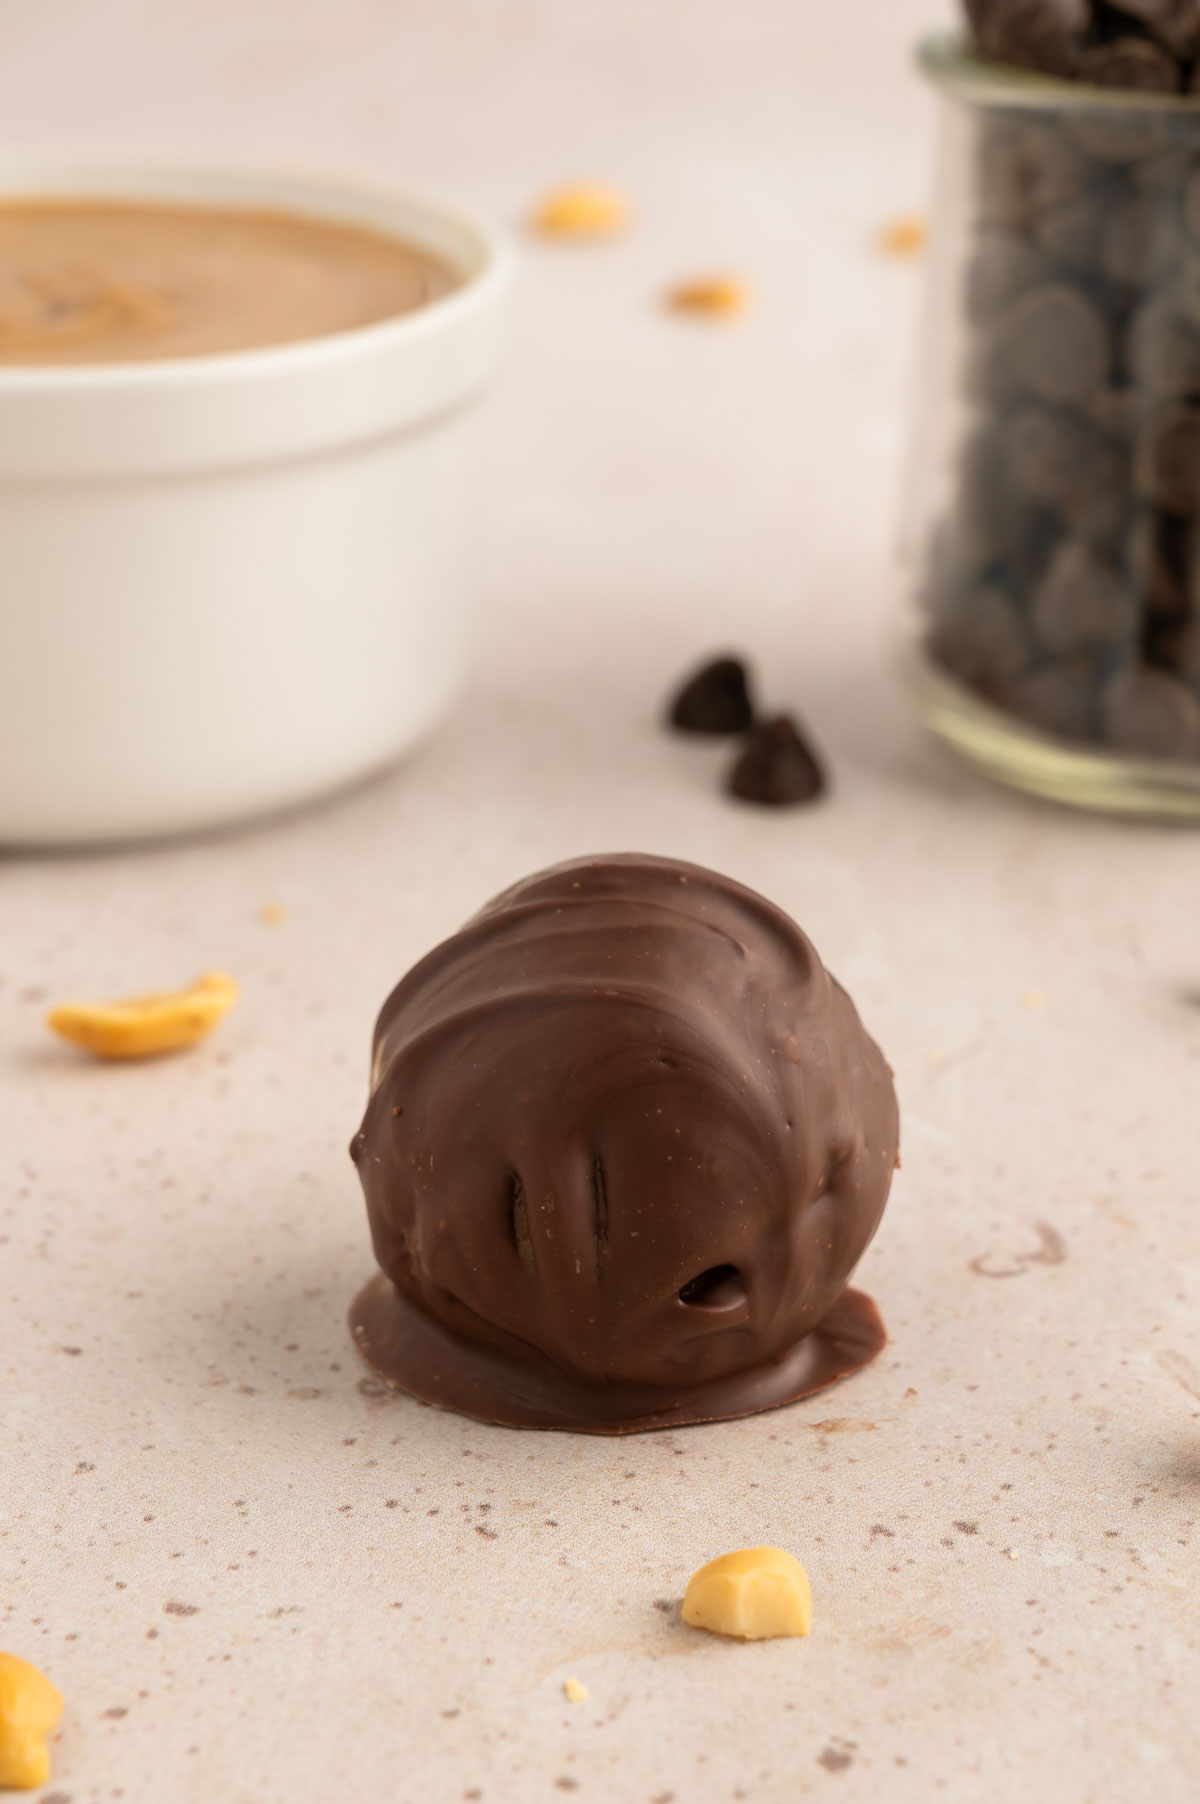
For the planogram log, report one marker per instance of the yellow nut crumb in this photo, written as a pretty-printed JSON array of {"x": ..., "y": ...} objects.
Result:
[
  {"x": 904, "y": 237},
  {"x": 755, "y": 1594},
  {"x": 141, "y": 1026},
  {"x": 713, "y": 297},
  {"x": 586, "y": 210},
  {"x": 574, "y": 1692},
  {"x": 29, "y": 1709},
  {"x": 273, "y": 913}
]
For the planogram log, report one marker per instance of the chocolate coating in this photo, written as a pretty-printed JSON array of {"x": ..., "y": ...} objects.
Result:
[{"x": 625, "y": 1142}]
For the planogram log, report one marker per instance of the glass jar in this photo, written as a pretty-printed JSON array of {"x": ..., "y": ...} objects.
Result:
[{"x": 1054, "y": 507}]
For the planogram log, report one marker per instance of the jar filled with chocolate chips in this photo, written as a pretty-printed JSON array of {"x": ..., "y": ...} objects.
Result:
[{"x": 1056, "y": 482}]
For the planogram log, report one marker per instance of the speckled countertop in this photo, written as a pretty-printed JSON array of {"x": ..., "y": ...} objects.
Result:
[{"x": 253, "y": 1576}]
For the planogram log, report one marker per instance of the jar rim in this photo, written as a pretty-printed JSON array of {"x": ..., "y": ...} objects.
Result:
[{"x": 944, "y": 59}]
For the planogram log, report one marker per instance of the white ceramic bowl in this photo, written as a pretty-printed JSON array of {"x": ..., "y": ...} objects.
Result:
[{"x": 230, "y": 583}]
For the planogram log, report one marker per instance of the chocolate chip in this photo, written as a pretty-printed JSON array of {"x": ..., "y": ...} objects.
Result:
[
  {"x": 1023, "y": 170},
  {"x": 1057, "y": 699},
  {"x": 1175, "y": 23},
  {"x": 1167, "y": 460},
  {"x": 1165, "y": 172},
  {"x": 981, "y": 640},
  {"x": 1163, "y": 350},
  {"x": 1154, "y": 558},
  {"x": 1182, "y": 291},
  {"x": 1142, "y": 240},
  {"x": 1051, "y": 456},
  {"x": 1046, "y": 35},
  {"x": 715, "y": 700},
  {"x": 1071, "y": 233},
  {"x": 1057, "y": 344},
  {"x": 1117, "y": 135},
  {"x": 1191, "y": 205},
  {"x": 1150, "y": 714},
  {"x": 1003, "y": 264},
  {"x": 1114, "y": 411},
  {"x": 776, "y": 767},
  {"x": 1131, "y": 63},
  {"x": 1082, "y": 601},
  {"x": 1179, "y": 651}
]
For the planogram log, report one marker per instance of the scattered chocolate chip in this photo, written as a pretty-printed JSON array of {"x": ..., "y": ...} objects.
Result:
[
  {"x": 776, "y": 766},
  {"x": 715, "y": 700}
]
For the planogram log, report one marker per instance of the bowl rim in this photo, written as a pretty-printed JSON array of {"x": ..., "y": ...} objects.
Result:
[
  {"x": 148, "y": 178},
  {"x": 945, "y": 58}
]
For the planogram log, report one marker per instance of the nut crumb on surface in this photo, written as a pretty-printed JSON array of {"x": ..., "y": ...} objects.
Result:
[
  {"x": 710, "y": 297},
  {"x": 575, "y": 1692},
  {"x": 30, "y": 1706},
  {"x": 904, "y": 236},
  {"x": 582, "y": 210},
  {"x": 753, "y": 1594},
  {"x": 141, "y": 1027}
]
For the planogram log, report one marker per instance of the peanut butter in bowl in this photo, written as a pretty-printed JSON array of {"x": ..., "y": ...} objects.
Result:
[{"x": 86, "y": 281}]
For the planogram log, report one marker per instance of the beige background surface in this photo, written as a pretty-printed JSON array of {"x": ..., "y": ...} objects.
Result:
[{"x": 253, "y": 1577}]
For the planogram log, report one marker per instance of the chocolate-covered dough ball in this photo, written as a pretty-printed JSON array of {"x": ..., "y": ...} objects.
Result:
[{"x": 626, "y": 1141}]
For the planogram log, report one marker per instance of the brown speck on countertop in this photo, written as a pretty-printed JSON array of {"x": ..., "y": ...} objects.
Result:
[
  {"x": 305, "y": 1393},
  {"x": 834, "y": 1760},
  {"x": 174, "y": 1609},
  {"x": 967, "y": 1528},
  {"x": 1052, "y": 1250},
  {"x": 567, "y": 1784},
  {"x": 72, "y": 1352},
  {"x": 116, "y": 1713}
]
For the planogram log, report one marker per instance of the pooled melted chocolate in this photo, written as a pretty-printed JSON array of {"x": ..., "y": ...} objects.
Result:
[{"x": 625, "y": 1142}]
